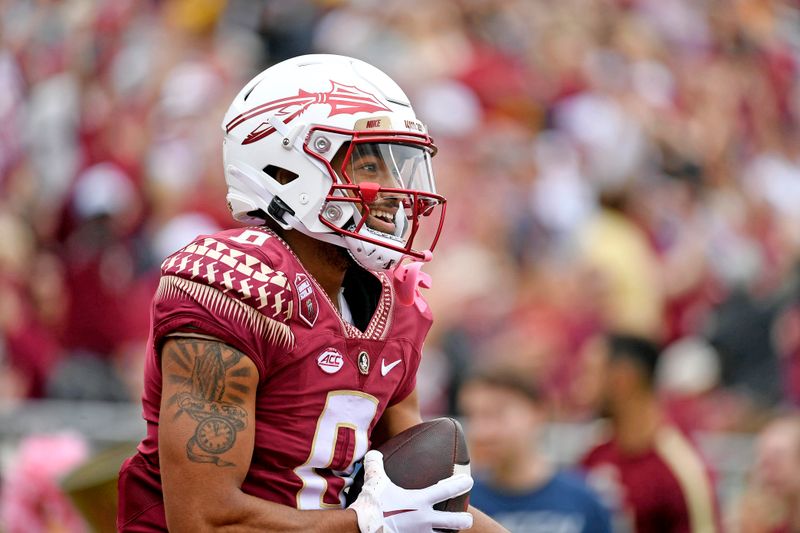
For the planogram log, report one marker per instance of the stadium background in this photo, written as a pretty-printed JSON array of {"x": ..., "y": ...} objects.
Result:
[{"x": 609, "y": 165}]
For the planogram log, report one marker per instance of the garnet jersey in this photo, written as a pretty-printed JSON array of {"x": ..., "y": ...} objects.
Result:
[
  {"x": 666, "y": 488},
  {"x": 323, "y": 383}
]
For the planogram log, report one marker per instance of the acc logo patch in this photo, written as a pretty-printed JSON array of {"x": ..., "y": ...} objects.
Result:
[
  {"x": 308, "y": 300},
  {"x": 330, "y": 361}
]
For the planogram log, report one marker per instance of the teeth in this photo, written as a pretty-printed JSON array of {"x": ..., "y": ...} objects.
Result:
[{"x": 383, "y": 215}]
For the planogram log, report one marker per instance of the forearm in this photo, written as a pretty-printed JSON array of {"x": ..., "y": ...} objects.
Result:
[
  {"x": 481, "y": 523},
  {"x": 244, "y": 513}
]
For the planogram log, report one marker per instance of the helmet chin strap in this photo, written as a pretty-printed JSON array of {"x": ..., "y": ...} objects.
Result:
[
  {"x": 283, "y": 130},
  {"x": 400, "y": 223},
  {"x": 351, "y": 244},
  {"x": 369, "y": 255},
  {"x": 294, "y": 223}
]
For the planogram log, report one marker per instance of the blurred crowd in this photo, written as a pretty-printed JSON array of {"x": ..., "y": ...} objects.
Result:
[{"x": 610, "y": 165}]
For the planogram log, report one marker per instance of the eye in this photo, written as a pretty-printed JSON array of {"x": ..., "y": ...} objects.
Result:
[{"x": 367, "y": 167}]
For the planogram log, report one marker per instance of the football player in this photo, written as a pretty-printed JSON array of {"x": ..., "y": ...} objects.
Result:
[{"x": 279, "y": 353}]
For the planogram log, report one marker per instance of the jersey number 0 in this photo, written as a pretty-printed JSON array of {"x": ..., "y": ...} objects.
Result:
[{"x": 341, "y": 436}]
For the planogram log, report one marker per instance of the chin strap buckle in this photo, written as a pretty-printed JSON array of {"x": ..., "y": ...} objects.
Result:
[
  {"x": 407, "y": 280},
  {"x": 277, "y": 209}
]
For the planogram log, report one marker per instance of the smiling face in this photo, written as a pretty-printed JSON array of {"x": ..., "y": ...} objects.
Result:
[
  {"x": 382, "y": 198},
  {"x": 382, "y": 166},
  {"x": 367, "y": 165}
]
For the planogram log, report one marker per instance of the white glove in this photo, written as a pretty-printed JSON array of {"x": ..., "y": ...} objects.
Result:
[{"x": 383, "y": 507}]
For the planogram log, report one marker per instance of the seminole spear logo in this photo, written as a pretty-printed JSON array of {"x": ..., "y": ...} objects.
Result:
[{"x": 343, "y": 99}]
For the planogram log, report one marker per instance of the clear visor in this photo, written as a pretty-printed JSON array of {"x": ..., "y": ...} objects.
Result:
[
  {"x": 391, "y": 165},
  {"x": 392, "y": 187}
]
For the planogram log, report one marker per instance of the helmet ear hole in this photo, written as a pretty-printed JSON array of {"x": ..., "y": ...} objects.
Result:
[{"x": 281, "y": 175}]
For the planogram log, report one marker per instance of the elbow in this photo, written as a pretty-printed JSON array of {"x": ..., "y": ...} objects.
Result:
[
  {"x": 196, "y": 514},
  {"x": 181, "y": 518}
]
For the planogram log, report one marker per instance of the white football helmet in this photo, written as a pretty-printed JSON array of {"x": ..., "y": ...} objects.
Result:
[{"x": 330, "y": 146}]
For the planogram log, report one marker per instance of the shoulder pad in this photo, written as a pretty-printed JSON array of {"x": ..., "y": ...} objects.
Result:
[{"x": 227, "y": 274}]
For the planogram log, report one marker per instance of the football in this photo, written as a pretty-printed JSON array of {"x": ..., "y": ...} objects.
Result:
[{"x": 422, "y": 455}]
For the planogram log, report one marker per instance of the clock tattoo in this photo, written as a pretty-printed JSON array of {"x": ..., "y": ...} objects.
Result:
[
  {"x": 211, "y": 399},
  {"x": 215, "y": 435}
]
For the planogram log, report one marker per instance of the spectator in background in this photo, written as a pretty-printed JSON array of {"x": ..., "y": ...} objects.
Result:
[
  {"x": 647, "y": 471},
  {"x": 772, "y": 502},
  {"x": 515, "y": 483},
  {"x": 617, "y": 252},
  {"x": 29, "y": 278}
]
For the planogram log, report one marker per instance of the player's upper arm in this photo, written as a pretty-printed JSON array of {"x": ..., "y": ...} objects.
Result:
[{"x": 206, "y": 429}]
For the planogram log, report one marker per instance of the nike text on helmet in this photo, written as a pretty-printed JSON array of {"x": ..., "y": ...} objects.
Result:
[{"x": 330, "y": 146}]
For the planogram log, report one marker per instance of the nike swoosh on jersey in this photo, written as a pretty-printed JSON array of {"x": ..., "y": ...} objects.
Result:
[{"x": 385, "y": 369}]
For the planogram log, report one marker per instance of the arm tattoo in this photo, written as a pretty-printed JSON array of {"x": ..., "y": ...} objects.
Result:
[{"x": 206, "y": 382}]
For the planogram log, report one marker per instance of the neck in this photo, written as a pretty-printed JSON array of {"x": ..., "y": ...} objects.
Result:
[
  {"x": 326, "y": 262},
  {"x": 636, "y": 421},
  {"x": 524, "y": 471}
]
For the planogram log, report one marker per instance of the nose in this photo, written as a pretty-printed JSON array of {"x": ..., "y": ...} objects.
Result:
[
  {"x": 384, "y": 178},
  {"x": 390, "y": 179}
]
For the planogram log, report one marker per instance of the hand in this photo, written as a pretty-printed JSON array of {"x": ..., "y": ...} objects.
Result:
[{"x": 383, "y": 507}]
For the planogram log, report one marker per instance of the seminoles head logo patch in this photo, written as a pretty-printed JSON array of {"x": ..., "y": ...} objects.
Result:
[
  {"x": 308, "y": 300},
  {"x": 343, "y": 100},
  {"x": 330, "y": 361}
]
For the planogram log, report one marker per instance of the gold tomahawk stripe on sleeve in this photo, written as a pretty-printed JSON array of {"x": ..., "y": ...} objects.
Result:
[
  {"x": 688, "y": 469},
  {"x": 218, "y": 302}
]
